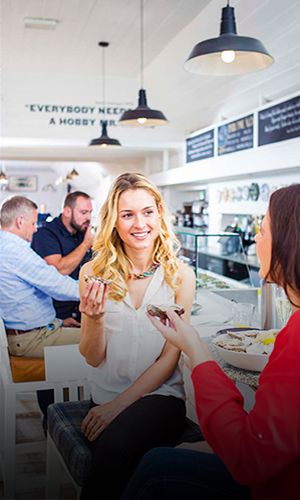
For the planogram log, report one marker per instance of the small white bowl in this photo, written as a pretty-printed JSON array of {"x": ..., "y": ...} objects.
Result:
[
  {"x": 253, "y": 362},
  {"x": 245, "y": 360}
]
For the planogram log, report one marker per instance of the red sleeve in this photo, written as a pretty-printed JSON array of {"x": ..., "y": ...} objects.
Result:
[{"x": 254, "y": 446}]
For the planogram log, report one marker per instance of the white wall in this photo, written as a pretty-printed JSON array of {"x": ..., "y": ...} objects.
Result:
[
  {"x": 94, "y": 179},
  {"x": 52, "y": 199},
  {"x": 175, "y": 196},
  {"x": 217, "y": 208}
]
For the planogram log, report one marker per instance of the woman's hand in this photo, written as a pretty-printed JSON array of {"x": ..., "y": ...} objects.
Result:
[
  {"x": 99, "y": 417},
  {"x": 93, "y": 300},
  {"x": 184, "y": 337}
]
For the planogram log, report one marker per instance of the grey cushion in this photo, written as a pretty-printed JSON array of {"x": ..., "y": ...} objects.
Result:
[{"x": 64, "y": 423}]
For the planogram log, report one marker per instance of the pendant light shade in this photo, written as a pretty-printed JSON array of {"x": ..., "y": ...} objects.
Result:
[
  {"x": 142, "y": 115},
  {"x": 104, "y": 140},
  {"x": 229, "y": 54}
]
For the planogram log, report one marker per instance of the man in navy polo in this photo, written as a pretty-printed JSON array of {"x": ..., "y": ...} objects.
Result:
[{"x": 65, "y": 243}]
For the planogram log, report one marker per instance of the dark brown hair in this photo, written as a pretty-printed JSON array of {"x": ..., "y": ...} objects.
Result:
[
  {"x": 71, "y": 198},
  {"x": 284, "y": 210}
]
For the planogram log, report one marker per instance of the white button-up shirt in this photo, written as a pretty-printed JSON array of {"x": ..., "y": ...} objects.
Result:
[
  {"x": 133, "y": 345},
  {"x": 27, "y": 284}
]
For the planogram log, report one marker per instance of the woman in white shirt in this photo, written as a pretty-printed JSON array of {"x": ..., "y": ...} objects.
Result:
[{"x": 137, "y": 390}]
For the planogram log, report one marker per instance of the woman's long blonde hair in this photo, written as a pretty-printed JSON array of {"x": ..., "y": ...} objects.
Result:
[{"x": 110, "y": 260}]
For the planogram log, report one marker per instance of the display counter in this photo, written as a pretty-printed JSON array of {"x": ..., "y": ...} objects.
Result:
[{"x": 222, "y": 254}]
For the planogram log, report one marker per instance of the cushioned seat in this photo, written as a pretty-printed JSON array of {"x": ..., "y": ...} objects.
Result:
[
  {"x": 27, "y": 369},
  {"x": 64, "y": 423},
  {"x": 64, "y": 427}
]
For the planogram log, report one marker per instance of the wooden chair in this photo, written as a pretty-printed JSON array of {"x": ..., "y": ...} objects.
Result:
[
  {"x": 66, "y": 363},
  {"x": 9, "y": 391},
  {"x": 66, "y": 444}
]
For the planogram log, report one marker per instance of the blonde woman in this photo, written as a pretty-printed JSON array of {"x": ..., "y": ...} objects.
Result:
[{"x": 137, "y": 390}]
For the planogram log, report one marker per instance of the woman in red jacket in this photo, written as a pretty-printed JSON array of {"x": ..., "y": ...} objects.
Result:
[{"x": 260, "y": 450}]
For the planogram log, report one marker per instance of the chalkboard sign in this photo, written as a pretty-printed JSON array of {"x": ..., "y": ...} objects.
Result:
[
  {"x": 235, "y": 136},
  {"x": 279, "y": 122},
  {"x": 200, "y": 147}
]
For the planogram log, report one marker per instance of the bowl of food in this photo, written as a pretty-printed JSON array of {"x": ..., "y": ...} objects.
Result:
[{"x": 245, "y": 348}]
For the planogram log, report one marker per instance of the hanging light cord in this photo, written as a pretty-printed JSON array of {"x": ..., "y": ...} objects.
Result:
[
  {"x": 142, "y": 42},
  {"x": 103, "y": 81}
]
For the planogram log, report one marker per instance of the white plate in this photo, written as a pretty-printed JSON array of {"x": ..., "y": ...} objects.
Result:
[{"x": 253, "y": 362}]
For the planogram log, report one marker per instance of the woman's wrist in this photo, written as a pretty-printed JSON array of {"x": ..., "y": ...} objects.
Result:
[
  {"x": 95, "y": 320},
  {"x": 199, "y": 353},
  {"x": 123, "y": 401}
]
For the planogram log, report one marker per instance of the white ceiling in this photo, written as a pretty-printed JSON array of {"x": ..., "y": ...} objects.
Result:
[
  {"x": 73, "y": 46},
  {"x": 172, "y": 27}
]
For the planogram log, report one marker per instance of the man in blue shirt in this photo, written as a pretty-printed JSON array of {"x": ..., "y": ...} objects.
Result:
[
  {"x": 28, "y": 285},
  {"x": 65, "y": 243}
]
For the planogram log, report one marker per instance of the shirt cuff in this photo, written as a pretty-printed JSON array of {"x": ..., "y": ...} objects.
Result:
[{"x": 204, "y": 367}]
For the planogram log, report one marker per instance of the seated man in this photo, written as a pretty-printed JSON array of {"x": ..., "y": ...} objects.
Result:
[
  {"x": 28, "y": 285},
  {"x": 65, "y": 243}
]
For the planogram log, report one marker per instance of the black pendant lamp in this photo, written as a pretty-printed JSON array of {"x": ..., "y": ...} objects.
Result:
[
  {"x": 229, "y": 54},
  {"x": 104, "y": 140},
  {"x": 142, "y": 116}
]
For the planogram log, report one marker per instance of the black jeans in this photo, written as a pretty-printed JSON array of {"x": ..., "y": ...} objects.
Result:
[
  {"x": 178, "y": 474},
  {"x": 45, "y": 398},
  {"x": 151, "y": 421}
]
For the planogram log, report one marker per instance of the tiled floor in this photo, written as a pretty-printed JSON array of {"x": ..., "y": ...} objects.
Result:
[{"x": 31, "y": 464}]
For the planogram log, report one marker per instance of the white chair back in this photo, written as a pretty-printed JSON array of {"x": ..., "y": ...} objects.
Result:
[
  {"x": 5, "y": 369},
  {"x": 65, "y": 363},
  {"x": 65, "y": 368}
]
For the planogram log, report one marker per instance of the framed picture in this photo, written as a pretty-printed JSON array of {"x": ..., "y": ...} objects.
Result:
[{"x": 22, "y": 183}]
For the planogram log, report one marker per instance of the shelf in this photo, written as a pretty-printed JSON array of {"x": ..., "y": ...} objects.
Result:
[{"x": 248, "y": 260}]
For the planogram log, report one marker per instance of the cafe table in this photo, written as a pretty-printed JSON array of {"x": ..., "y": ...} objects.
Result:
[
  {"x": 216, "y": 314},
  {"x": 240, "y": 375}
]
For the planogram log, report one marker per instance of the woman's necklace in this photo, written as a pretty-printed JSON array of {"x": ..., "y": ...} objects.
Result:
[{"x": 146, "y": 274}]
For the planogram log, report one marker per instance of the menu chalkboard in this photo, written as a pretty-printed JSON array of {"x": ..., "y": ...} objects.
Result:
[
  {"x": 200, "y": 147},
  {"x": 235, "y": 136},
  {"x": 279, "y": 122}
]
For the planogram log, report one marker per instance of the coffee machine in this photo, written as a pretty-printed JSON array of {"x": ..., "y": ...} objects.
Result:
[{"x": 199, "y": 214}]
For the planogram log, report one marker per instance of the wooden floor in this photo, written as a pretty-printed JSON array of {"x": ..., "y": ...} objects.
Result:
[{"x": 31, "y": 464}]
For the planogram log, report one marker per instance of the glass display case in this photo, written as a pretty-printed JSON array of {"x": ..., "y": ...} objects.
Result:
[{"x": 219, "y": 260}]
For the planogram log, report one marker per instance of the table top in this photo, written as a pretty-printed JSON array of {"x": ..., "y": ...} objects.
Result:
[
  {"x": 236, "y": 374},
  {"x": 216, "y": 314}
]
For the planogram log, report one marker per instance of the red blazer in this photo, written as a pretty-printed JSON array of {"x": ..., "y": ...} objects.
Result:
[{"x": 260, "y": 449}]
